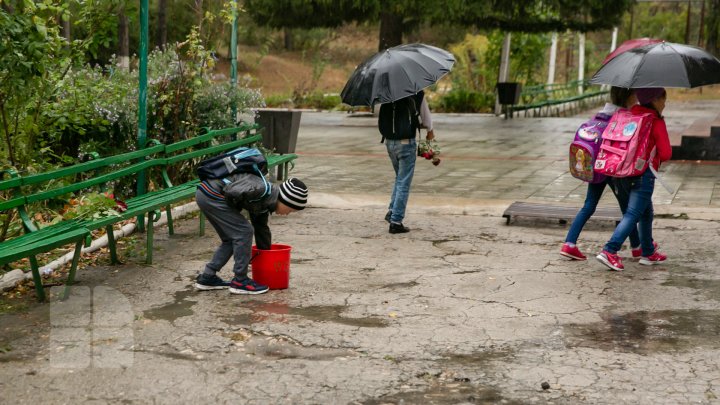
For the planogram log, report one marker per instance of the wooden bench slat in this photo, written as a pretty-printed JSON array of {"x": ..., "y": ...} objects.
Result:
[{"x": 554, "y": 211}]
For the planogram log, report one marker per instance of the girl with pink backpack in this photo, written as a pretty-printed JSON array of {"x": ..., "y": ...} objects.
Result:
[
  {"x": 582, "y": 153},
  {"x": 639, "y": 213}
]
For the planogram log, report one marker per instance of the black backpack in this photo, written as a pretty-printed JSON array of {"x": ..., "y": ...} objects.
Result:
[
  {"x": 242, "y": 160},
  {"x": 400, "y": 119}
]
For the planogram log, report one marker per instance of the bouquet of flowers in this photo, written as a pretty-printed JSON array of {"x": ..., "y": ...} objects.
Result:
[{"x": 430, "y": 151}]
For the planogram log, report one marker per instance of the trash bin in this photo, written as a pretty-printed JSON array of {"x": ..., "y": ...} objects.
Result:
[
  {"x": 509, "y": 93},
  {"x": 279, "y": 128},
  {"x": 279, "y": 131}
]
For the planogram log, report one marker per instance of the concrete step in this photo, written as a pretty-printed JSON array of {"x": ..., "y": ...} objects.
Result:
[{"x": 699, "y": 141}]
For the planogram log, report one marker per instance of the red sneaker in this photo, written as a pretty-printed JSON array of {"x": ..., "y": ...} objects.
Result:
[
  {"x": 611, "y": 260},
  {"x": 572, "y": 252},
  {"x": 655, "y": 258},
  {"x": 637, "y": 252}
]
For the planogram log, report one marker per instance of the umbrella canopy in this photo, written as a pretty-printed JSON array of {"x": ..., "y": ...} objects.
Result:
[
  {"x": 630, "y": 44},
  {"x": 664, "y": 64},
  {"x": 396, "y": 73}
]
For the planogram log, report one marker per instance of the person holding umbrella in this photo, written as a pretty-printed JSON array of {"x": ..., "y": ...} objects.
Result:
[
  {"x": 398, "y": 123},
  {"x": 640, "y": 209},
  {"x": 649, "y": 69},
  {"x": 396, "y": 78}
]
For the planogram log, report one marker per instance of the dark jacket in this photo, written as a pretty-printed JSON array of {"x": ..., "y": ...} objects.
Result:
[{"x": 245, "y": 192}]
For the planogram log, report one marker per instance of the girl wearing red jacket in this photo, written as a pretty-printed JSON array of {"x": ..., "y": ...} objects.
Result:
[{"x": 640, "y": 211}]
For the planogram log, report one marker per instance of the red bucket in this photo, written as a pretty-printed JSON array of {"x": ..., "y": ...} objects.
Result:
[{"x": 271, "y": 267}]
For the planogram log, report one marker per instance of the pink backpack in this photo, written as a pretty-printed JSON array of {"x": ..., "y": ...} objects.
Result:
[
  {"x": 625, "y": 151},
  {"x": 584, "y": 149}
]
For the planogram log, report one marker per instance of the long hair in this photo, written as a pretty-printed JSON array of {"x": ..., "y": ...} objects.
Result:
[{"x": 620, "y": 95}]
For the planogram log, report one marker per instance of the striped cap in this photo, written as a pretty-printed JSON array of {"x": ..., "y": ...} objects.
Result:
[{"x": 293, "y": 193}]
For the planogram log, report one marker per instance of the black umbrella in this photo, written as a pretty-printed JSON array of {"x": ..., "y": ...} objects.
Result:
[
  {"x": 664, "y": 64},
  {"x": 396, "y": 73}
]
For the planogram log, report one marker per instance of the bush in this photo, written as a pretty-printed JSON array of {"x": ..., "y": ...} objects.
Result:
[{"x": 465, "y": 101}]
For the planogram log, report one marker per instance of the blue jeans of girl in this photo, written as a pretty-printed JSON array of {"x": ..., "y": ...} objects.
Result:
[
  {"x": 639, "y": 214},
  {"x": 592, "y": 198},
  {"x": 402, "y": 153}
]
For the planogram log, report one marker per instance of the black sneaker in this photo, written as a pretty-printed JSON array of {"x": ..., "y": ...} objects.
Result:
[
  {"x": 248, "y": 286},
  {"x": 206, "y": 282},
  {"x": 387, "y": 216},
  {"x": 398, "y": 228}
]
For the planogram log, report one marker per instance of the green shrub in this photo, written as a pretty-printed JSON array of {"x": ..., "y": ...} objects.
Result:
[{"x": 465, "y": 101}]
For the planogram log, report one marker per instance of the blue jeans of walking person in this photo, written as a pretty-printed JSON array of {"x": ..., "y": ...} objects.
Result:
[
  {"x": 402, "y": 153},
  {"x": 639, "y": 215},
  {"x": 592, "y": 198}
]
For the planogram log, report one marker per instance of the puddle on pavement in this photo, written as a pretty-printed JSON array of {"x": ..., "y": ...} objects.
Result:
[
  {"x": 480, "y": 358},
  {"x": 278, "y": 311},
  {"x": 298, "y": 261},
  {"x": 647, "y": 332},
  {"x": 394, "y": 286},
  {"x": 181, "y": 306},
  {"x": 436, "y": 243},
  {"x": 468, "y": 272},
  {"x": 709, "y": 288},
  {"x": 449, "y": 392}
]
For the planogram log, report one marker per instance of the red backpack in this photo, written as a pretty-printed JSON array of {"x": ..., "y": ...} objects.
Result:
[{"x": 625, "y": 151}]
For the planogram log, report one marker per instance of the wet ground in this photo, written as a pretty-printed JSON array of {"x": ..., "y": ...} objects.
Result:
[{"x": 462, "y": 310}]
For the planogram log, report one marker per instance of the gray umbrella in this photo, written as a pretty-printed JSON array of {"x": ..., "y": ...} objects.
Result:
[
  {"x": 664, "y": 64},
  {"x": 396, "y": 73}
]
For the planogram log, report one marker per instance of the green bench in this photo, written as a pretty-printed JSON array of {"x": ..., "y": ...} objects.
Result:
[
  {"x": 27, "y": 192},
  {"x": 550, "y": 99}
]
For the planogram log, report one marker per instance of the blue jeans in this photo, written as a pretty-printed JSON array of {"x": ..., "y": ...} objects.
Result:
[
  {"x": 639, "y": 214},
  {"x": 402, "y": 153},
  {"x": 594, "y": 192}
]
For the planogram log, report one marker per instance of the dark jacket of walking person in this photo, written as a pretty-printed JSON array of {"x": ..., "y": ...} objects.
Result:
[
  {"x": 222, "y": 202},
  {"x": 620, "y": 98},
  {"x": 402, "y": 150},
  {"x": 640, "y": 210}
]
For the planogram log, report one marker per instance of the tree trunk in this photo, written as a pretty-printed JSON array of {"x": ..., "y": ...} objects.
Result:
[
  {"x": 391, "y": 30},
  {"x": 288, "y": 39},
  {"x": 123, "y": 40},
  {"x": 161, "y": 37},
  {"x": 701, "y": 30},
  {"x": 7, "y": 7},
  {"x": 65, "y": 28},
  {"x": 199, "y": 14},
  {"x": 688, "y": 20},
  {"x": 713, "y": 28}
]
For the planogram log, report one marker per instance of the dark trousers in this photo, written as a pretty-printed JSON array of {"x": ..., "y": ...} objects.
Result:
[{"x": 235, "y": 232}]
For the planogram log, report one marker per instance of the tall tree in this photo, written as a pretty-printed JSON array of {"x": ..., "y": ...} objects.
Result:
[
  {"x": 713, "y": 28},
  {"x": 123, "y": 39},
  {"x": 161, "y": 33}
]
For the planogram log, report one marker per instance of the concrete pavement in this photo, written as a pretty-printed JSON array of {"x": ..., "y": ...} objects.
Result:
[{"x": 462, "y": 310}]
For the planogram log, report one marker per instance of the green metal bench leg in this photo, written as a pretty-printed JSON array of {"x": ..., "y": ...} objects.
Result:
[
  {"x": 37, "y": 279},
  {"x": 150, "y": 232},
  {"x": 168, "y": 212},
  {"x": 112, "y": 245},
  {"x": 202, "y": 224},
  {"x": 73, "y": 268}
]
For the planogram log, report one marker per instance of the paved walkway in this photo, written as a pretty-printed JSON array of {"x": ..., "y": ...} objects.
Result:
[
  {"x": 462, "y": 310},
  {"x": 485, "y": 157}
]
